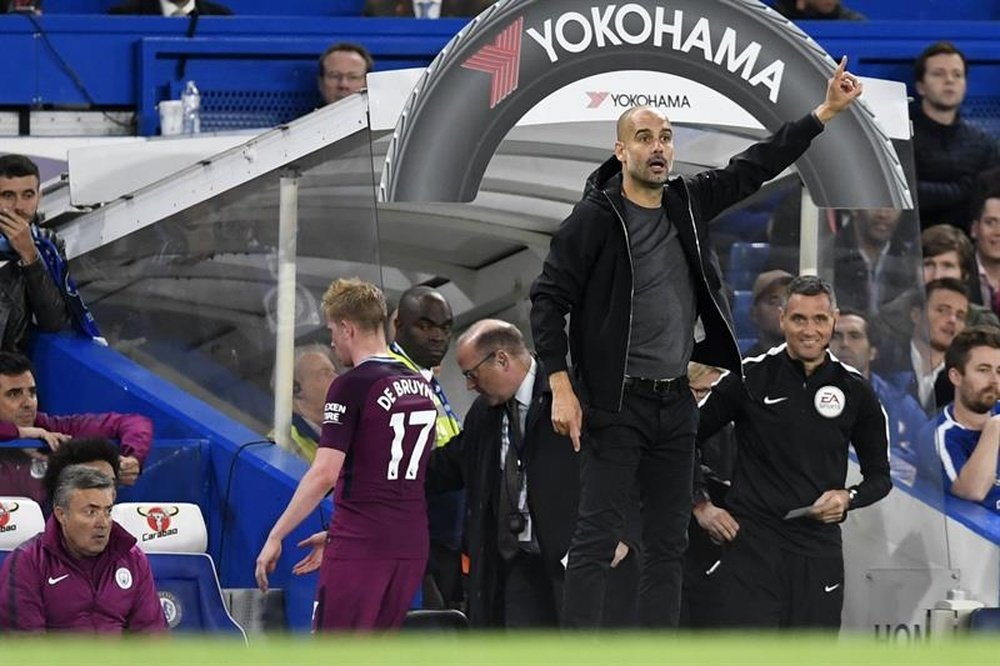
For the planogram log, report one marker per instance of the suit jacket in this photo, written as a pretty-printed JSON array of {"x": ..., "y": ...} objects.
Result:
[
  {"x": 152, "y": 8},
  {"x": 471, "y": 460},
  {"x": 404, "y": 8}
]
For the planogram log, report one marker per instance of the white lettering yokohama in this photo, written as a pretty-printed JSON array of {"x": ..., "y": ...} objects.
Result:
[{"x": 606, "y": 27}]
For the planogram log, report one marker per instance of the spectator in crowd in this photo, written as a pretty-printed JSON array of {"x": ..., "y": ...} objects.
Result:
[
  {"x": 632, "y": 269},
  {"x": 27, "y": 291},
  {"x": 872, "y": 262},
  {"x": 312, "y": 374},
  {"x": 94, "y": 452},
  {"x": 343, "y": 69},
  {"x": 422, "y": 332},
  {"x": 430, "y": 9},
  {"x": 813, "y": 10},
  {"x": 521, "y": 489},
  {"x": 917, "y": 368},
  {"x": 373, "y": 451},
  {"x": 965, "y": 437},
  {"x": 766, "y": 301},
  {"x": 947, "y": 253},
  {"x": 948, "y": 151},
  {"x": 854, "y": 345},
  {"x": 171, "y": 8},
  {"x": 21, "y": 470},
  {"x": 784, "y": 567},
  {"x": 21, "y": 6},
  {"x": 711, "y": 523},
  {"x": 984, "y": 281},
  {"x": 784, "y": 230},
  {"x": 84, "y": 572}
]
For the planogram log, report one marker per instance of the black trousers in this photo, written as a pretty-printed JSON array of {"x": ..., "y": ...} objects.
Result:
[
  {"x": 766, "y": 586},
  {"x": 531, "y": 593},
  {"x": 649, "y": 442}
]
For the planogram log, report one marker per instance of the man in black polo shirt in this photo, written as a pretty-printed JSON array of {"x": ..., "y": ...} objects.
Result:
[{"x": 796, "y": 415}]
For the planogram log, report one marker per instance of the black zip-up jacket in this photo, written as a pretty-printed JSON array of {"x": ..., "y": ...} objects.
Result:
[
  {"x": 588, "y": 271},
  {"x": 948, "y": 159},
  {"x": 792, "y": 437}
]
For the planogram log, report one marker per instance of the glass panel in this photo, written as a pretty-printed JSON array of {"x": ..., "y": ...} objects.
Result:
[
  {"x": 194, "y": 296},
  {"x": 873, "y": 258}
]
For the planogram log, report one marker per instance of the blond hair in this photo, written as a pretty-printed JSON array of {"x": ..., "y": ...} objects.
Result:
[{"x": 356, "y": 301}]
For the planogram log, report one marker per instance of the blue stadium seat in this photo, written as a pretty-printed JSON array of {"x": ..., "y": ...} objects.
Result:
[
  {"x": 742, "y": 300},
  {"x": 985, "y": 620},
  {"x": 746, "y": 260},
  {"x": 190, "y": 594}
]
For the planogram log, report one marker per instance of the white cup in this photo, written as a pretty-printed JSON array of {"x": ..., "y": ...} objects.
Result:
[{"x": 171, "y": 117}]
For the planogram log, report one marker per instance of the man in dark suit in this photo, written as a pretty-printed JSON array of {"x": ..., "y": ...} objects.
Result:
[
  {"x": 522, "y": 487},
  {"x": 425, "y": 9},
  {"x": 171, "y": 8}
]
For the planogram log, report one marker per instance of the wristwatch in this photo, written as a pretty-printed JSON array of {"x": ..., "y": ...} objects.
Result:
[{"x": 851, "y": 494}]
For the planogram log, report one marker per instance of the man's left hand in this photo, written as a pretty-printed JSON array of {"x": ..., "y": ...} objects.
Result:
[
  {"x": 621, "y": 552},
  {"x": 128, "y": 470},
  {"x": 17, "y": 229},
  {"x": 841, "y": 91},
  {"x": 830, "y": 506}
]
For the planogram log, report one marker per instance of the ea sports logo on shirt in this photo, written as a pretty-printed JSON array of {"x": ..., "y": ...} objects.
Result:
[
  {"x": 7, "y": 508},
  {"x": 829, "y": 402},
  {"x": 158, "y": 519}
]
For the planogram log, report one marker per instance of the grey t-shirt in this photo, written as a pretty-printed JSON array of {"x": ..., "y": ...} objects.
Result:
[{"x": 663, "y": 302}]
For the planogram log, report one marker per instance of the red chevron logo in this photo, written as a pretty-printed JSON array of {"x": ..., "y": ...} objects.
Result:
[
  {"x": 596, "y": 99},
  {"x": 501, "y": 60}
]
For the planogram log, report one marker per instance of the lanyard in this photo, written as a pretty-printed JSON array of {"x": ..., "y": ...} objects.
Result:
[{"x": 438, "y": 391}]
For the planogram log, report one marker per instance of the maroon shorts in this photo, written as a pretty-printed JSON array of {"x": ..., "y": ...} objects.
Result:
[{"x": 365, "y": 594}]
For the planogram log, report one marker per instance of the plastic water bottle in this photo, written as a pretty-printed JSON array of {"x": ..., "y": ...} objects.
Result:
[{"x": 191, "y": 105}]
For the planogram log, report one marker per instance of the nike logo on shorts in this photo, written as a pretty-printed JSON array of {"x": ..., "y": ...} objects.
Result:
[
  {"x": 53, "y": 581},
  {"x": 830, "y": 588},
  {"x": 773, "y": 401}
]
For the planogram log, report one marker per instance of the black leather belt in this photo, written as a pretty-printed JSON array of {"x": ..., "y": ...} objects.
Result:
[{"x": 655, "y": 386}]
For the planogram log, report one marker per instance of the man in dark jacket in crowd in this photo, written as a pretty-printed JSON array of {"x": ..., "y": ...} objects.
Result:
[
  {"x": 522, "y": 489},
  {"x": 632, "y": 266},
  {"x": 27, "y": 291},
  {"x": 949, "y": 152},
  {"x": 84, "y": 573}
]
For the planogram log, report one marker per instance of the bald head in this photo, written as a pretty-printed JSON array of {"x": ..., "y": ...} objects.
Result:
[
  {"x": 423, "y": 325},
  {"x": 494, "y": 359},
  {"x": 645, "y": 147},
  {"x": 487, "y": 335},
  {"x": 626, "y": 121}
]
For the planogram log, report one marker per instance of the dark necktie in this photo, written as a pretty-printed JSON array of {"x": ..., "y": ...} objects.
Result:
[{"x": 510, "y": 485}]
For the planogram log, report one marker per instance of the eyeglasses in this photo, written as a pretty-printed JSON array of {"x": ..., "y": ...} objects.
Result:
[
  {"x": 340, "y": 76},
  {"x": 473, "y": 372}
]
